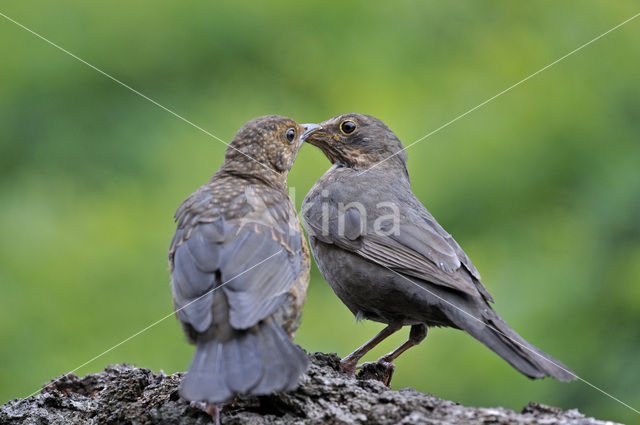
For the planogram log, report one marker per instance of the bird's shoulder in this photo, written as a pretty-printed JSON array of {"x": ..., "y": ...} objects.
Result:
[
  {"x": 231, "y": 198},
  {"x": 344, "y": 184},
  {"x": 238, "y": 203}
]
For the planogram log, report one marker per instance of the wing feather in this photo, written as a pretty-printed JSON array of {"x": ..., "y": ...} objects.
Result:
[
  {"x": 417, "y": 248},
  {"x": 233, "y": 256}
]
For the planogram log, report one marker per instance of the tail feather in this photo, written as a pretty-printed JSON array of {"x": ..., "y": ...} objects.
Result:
[
  {"x": 242, "y": 351},
  {"x": 284, "y": 362},
  {"x": 205, "y": 379},
  {"x": 505, "y": 342},
  {"x": 261, "y": 360}
]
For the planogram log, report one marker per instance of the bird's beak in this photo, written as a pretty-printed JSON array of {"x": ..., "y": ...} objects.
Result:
[{"x": 309, "y": 129}]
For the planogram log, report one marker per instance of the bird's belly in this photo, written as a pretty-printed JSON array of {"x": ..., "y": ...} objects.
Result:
[{"x": 374, "y": 292}]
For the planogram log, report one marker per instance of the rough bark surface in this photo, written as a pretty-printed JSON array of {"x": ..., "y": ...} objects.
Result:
[{"x": 124, "y": 394}]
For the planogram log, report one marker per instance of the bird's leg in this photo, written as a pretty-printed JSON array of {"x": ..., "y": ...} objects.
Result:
[
  {"x": 214, "y": 411},
  {"x": 348, "y": 364},
  {"x": 210, "y": 408},
  {"x": 416, "y": 335}
]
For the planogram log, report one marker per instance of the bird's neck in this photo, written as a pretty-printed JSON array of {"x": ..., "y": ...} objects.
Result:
[
  {"x": 255, "y": 173},
  {"x": 390, "y": 165}
]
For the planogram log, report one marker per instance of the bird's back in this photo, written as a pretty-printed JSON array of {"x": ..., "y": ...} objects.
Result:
[{"x": 240, "y": 270}]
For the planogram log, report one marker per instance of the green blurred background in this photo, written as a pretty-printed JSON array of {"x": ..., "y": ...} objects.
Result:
[{"x": 541, "y": 186}]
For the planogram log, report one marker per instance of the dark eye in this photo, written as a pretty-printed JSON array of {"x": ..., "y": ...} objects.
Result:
[
  {"x": 347, "y": 127},
  {"x": 290, "y": 134}
]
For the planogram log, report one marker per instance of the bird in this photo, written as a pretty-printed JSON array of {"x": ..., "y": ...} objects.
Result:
[
  {"x": 387, "y": 258},
  {"x": 239, "y": 268}
]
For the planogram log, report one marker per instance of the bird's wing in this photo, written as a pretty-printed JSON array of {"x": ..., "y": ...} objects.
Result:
[
  {"x": 413, "y": 247},
  {"x": 254, "y": 264},
  {"x": 433, "y": 224},
  {"x": 462, "y": 256}
]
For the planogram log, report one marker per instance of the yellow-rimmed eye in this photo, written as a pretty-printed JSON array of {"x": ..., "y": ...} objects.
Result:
[
  {"x": 347, "y": 127},
  {"x": 290, "y": 134}
]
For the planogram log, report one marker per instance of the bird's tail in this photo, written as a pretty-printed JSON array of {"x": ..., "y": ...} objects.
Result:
[
  {"x": 257, "y": 361},
  {"x": 505, "y": 342}
]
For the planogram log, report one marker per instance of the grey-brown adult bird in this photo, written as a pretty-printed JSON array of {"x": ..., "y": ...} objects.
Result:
[
  {"x": 388, "y": 259},
  {"x": 240, "y": 269}
]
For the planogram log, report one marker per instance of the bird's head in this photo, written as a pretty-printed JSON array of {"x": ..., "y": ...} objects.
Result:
[
  {"x": 358, "y": 141},
  {"x": 266, "y": 145}
]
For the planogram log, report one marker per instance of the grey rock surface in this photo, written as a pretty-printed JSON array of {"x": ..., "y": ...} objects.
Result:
[{"x": 125, "y": 394}]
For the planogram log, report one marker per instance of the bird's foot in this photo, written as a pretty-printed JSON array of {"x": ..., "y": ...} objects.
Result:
[
  {"x": 379, "y": 370},
  {"x": 349, "y": 365},
  {"x": 212, "y": 409}
]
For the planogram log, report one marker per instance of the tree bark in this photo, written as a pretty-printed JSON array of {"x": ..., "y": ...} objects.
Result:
[{"x": 124, "y": 394}]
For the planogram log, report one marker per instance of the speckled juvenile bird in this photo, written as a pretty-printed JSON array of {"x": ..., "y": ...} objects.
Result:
[
  {"x": 388, "y": 259},
  {"x": 240, "y": 269}
]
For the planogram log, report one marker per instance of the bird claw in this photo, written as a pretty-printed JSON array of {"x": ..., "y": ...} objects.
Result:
[
  {"x": 379, "y": 370},
  {"x": 211, "y": 409},
  {"x": 200, "y": 405},
  {"x": 349, "y": 366}
]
